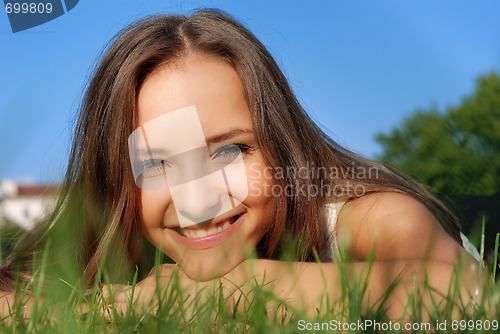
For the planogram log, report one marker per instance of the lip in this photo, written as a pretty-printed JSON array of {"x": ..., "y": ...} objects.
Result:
[{"x": 210, "y": 240}]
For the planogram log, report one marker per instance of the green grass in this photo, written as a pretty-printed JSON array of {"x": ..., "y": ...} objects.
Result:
[{"x": 76, "y": 310}]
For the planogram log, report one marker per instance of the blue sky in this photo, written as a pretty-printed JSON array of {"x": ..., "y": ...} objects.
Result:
[{"x": 359, "y": 67}]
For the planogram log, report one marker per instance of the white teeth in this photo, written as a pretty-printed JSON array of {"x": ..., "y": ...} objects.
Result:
[
  {"x": 200, "y": 233},
  {"x": 211, "y": 230}
]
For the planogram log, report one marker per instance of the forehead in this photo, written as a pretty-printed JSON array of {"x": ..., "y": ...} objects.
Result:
[{"x": 209, "y": 83}]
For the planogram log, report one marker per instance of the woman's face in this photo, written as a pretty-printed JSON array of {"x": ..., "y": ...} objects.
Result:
[{"x": 215, "y": 174}]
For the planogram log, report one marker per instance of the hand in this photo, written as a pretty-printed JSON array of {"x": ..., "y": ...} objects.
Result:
[
  {"x": 273, "y": 280},
  {"x": 167, "y": 286},
  {"x": 171, "y": 286}
]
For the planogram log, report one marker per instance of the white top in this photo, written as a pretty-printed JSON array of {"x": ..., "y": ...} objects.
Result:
[
  {"x": 469, "y": 247},
  {"x": 330, "y": 249},
  {"x": 329, "y": 216}
]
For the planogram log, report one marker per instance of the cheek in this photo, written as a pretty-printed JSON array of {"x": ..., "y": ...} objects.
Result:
[
  {"x": 260, "y": 199},
  {"x": 154, "y": 206},
  {"x": 260, "y": 185}
]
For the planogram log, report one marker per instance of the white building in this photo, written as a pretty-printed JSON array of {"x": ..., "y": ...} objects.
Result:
[{"x": 25, "y": 204}]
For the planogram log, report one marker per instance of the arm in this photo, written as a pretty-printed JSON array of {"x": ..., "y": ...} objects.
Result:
[
  {"x": 9, "y": 305},
  {"x": 409, "y": 247},
  {"x": 305, "y": 285},
  {"x": 6, "y": 302}
]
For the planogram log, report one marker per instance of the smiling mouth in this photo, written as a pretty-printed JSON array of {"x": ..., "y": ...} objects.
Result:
[{"x": 200, "y": 232}]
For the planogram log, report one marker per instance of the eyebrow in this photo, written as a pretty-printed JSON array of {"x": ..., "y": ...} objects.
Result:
[
  {"x": 150, "y": 152},
  {"x": 228, "y": 135}
]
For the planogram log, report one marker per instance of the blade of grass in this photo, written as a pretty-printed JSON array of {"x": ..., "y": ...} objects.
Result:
[
  {"x": 481, "y": 263},
  {"x": 132, "y": 292},
  {"x": 495, "y": 261}
]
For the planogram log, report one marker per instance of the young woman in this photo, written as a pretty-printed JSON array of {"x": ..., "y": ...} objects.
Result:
[{"x": 190, "y": 136}]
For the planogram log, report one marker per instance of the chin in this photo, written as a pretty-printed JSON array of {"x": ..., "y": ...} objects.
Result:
[{"x": 205, "y": 268}]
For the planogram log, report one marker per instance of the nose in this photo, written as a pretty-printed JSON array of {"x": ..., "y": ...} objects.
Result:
[{"x": 196, "y": 201}]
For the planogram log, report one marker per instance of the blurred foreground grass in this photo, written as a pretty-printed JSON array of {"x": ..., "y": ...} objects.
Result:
[{"x": 82, "y": 311}]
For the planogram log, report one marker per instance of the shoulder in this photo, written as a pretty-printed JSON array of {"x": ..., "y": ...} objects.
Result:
[
  {"x": 387, "y": 205},
  {"x": 397, "y": 225}
]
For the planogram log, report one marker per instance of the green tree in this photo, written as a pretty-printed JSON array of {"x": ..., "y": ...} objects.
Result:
[{"x": 453, "y": 152}]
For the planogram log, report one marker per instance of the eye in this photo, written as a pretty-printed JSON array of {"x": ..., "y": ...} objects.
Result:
[
  {"x": 230, "y": 152},
  {"x": 153, "y": 167}
]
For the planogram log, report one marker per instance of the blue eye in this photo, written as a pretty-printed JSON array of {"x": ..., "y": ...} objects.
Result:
[
  {"x": 230, "y": 152},
  {"x": 152, "y": 167}
]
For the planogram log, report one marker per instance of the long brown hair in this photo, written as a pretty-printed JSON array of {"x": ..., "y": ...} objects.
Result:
[{"x": 99, "y": 202}]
